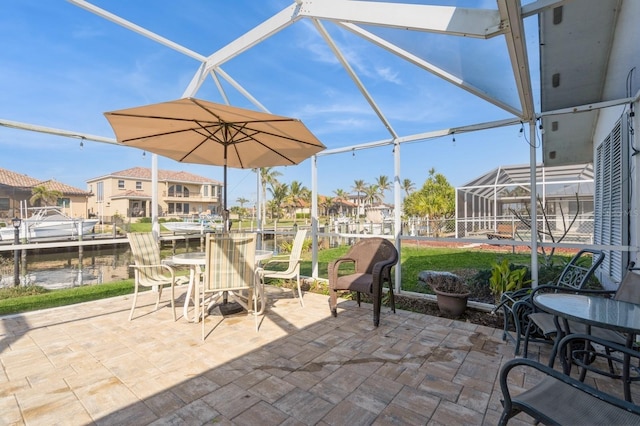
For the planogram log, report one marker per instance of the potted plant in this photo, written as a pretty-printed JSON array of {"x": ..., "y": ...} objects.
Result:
[{"x": 451, "y": 293}]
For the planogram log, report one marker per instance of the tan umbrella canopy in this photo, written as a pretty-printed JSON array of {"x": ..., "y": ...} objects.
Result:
[{"x": 191, "y": 130}]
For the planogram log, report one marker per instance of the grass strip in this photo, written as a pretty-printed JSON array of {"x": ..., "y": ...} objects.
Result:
[{"x": 63, "y": 297}]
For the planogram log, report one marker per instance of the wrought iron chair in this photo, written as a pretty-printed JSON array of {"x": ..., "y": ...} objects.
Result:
[
  {"x": 231, "y": 269},
  {"x": 517, "y": 305},
  {"x": 149, "y": 270},
  {"x": 560, "y": 399},
  {"x": 372, "y": 259},
  {"x": 292, "y": 261}
]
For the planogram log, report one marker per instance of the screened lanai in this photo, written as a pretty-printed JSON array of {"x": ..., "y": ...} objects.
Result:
[{"x": 498, "y": 204}]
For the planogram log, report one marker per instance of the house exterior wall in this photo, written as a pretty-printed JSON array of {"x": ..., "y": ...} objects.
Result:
[
  {"x": 120, "y": 194},
  {"x": 622, "y": 78}
]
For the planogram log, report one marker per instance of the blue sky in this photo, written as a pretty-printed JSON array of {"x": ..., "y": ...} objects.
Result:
[{"x": 63, "y": 67}]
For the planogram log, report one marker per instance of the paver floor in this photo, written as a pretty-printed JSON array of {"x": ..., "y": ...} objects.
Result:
[{"x": 87, "y": 364}]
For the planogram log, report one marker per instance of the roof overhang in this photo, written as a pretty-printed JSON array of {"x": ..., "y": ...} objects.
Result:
[{"x": 576, "y": 38}]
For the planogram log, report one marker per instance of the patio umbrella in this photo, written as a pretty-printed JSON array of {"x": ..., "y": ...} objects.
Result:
[{"x": 191, "y": 130}]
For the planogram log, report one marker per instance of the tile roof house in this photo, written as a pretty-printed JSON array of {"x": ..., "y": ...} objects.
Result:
[
  {"x": 16, "y": 189},
  {"x": 128, "y": 193}
]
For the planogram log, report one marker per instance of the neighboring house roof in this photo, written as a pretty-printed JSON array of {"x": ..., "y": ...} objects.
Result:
[
  {"x": 336, "y": 200},
  {"x": 144, "y": 173},
  {"x": 18, "y": 180},
  {"x": 62, "y": 187}
]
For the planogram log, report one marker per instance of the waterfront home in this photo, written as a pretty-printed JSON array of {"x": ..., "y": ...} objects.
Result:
[
  {"x": 128, "y": 193},
  {"x": 16, "y": 189}
]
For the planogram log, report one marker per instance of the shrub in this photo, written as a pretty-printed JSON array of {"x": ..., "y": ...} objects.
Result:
[{"x": 507, "y": 277}]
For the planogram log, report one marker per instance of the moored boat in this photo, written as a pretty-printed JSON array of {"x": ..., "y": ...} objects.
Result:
[
  {"x": 49, "y": 222},
  {"x": 200, "y": 224}
]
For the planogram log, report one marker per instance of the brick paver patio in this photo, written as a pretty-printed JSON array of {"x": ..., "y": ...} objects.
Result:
[{"x": 86, "y": 364}]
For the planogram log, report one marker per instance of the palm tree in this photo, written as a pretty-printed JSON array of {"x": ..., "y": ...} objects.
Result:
[
  {"x": 268, "y": 176},
  {"x": 341, "y": 195},
  {"x": 297, "y": 193},
  {"x": 408, "y": 186},
  {"x": 241, "y": 201},
  {"x": 279, "y": 193},
  {"x": 44, "y": 194},
  {"x": 383, "y": 184},
  {"x": 372, "y": 194},
  {"x": 359, "y": 186},
  {"x": 326, "y": 204}
]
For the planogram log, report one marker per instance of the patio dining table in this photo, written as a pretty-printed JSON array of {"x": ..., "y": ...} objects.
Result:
[
  {"x": 196, "y": 261},
  {"x": 594, "y": 311}
]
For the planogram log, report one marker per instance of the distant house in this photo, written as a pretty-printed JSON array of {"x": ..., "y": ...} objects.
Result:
[
  {"x": 16, "y": 189},
  {"x": 128, "y": 193}
]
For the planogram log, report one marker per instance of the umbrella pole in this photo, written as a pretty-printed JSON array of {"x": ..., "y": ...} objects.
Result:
[{"x": 225, "y": 212}]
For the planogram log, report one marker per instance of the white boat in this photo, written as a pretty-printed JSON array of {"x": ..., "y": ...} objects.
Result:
[
  {"x": 201, "y": 224},
  {"x": 49, "y": 222}
]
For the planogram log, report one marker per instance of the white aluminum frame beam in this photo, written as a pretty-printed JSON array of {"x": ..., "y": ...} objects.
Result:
[{"x": 477, "y": 23}]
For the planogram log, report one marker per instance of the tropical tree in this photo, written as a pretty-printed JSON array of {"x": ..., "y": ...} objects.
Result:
[
  {"x": 241, "y": 201},
  {"x": 269, "y": 177},
  {"x": 407, "y": 186},
  {"x": 383, "y": 184},
  {"x": 297, "y": 193},
  {"x": 44, "y": 194},
  {"x": 326, "y": 204},
  {"x": 279, "y": 193},
  {"x": 341, "y": 196},
  {"x": 435, "y": 200},
  {"x": 359, "y": 186},
  {"x": 372, "y": 195}
]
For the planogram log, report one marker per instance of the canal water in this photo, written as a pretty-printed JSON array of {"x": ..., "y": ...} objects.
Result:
[{"x": 96, "y": 265}]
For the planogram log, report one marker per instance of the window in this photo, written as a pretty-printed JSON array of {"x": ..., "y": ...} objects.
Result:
[
  {"x": 205, "y": 190},
  {"x": 100, "y": 192},
  {"x": 120, "y": 184},
  {"x": 63, "y": 202},
  {"x": 139, "y": 186},
  {"x": 611, "y": 206},
  {"x": 4, "y": 204},
  {"x": 178, "y": 191}
]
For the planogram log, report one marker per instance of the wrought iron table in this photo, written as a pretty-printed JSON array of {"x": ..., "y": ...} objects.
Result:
[{"x": 594, "y": 311}]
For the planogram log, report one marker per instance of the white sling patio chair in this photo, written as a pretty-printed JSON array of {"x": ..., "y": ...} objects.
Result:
[
  {"x": 293, "y": 263},
  {"x": 149, "y": 270}
]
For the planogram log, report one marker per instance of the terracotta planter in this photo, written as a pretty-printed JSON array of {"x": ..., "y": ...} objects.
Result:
[{"x": 453, "y": 304}]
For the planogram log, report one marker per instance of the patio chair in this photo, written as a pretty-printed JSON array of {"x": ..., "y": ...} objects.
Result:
[
  {"x": 230, "y": 269},
  {"x": 372, "y": 259},
  {"x": 517, "y": 305},
  {"x": 149, "y": 270},
  {"x": 292, "y": 261},
  {"x": 560, "y": 399}
]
